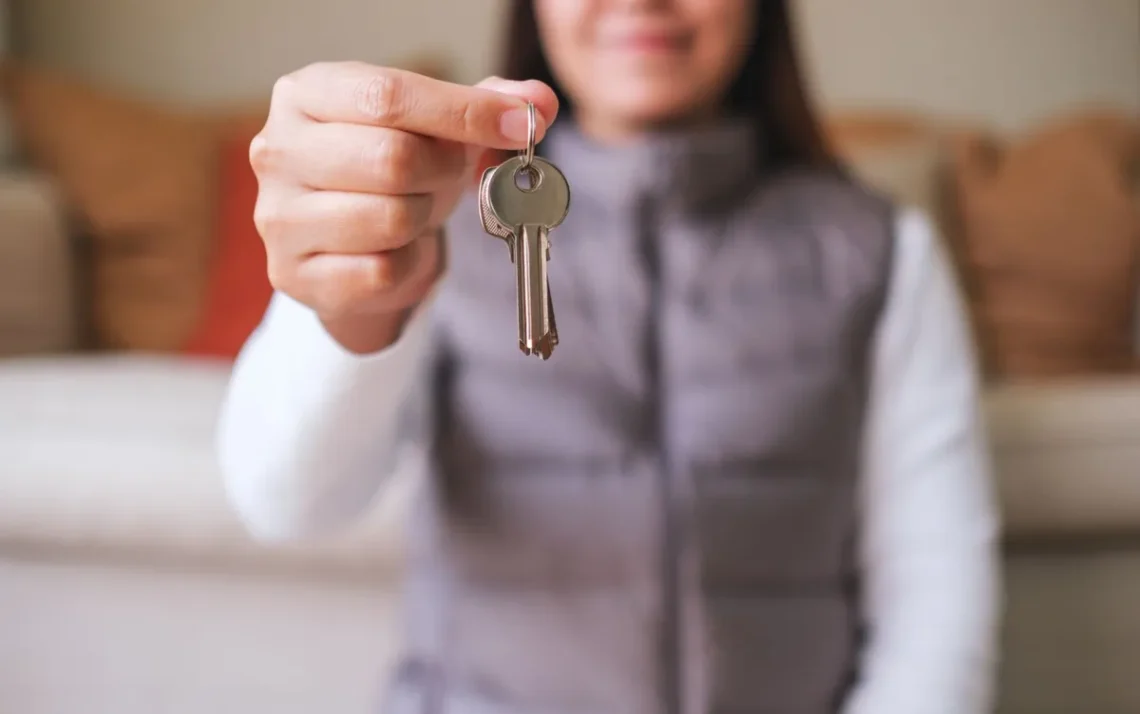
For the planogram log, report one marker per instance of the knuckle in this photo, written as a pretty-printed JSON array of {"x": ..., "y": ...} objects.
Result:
[
  {"x": 264, "y": 220},
  {"x": 378, "y": 276},
  {"x": 373, "y": 220},
  {"x": 379, "y": 96},
  {"x": 403, "y": 218},
  {"x": 365, "y": 280},
  {"x": 469, "y": 119},
  {"x": 393, "y": 158},
  {"x": 374, "y": 162},
  {"x": 261, "y": 153},
  {"x": 269, "y": 221},
  {"x": 397, "y": 219},
  {"x": 285, "y": 88},
  {"x": 281, "y": 274},
  {"x": 312, "y": 72}
]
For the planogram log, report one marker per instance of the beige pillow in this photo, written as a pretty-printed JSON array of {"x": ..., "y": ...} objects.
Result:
[
  {"x": 1049, "y": 236},
  {"x": 141, "y": 181}
]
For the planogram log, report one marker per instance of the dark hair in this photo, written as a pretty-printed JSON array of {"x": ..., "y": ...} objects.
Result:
[{"x": 770, "y": 88}]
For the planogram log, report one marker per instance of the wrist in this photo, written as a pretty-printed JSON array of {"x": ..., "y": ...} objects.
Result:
[
  {"x": 366, "y": 334},
  {"x": 370, "y": 332}
]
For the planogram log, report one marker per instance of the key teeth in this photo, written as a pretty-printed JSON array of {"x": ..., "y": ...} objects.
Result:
[{"x": 543, "y": 347}]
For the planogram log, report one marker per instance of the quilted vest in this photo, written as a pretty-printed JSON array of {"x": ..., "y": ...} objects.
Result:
[{"x": 660, "y": 519}]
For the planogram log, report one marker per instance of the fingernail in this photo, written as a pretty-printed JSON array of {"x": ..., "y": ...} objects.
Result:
[{"x": 514, "y": 124}]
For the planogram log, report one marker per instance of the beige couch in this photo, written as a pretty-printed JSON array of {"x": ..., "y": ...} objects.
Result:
[{"x": 127, "y": 587}]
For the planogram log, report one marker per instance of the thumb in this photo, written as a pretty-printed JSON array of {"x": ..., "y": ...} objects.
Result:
[
  {"x": 541, "y": 95},
  {"x": 546, "y": 111}
]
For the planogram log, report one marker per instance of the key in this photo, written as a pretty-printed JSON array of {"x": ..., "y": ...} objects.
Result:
[
  {"x": 521, "y": 203},
  {"x": 490, "y": 223},
  {"x": 492, "y": 226}
]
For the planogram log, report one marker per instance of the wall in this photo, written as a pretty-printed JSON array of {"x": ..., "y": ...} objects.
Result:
[
  {"x": 1008, "y": 61},
  {"x": 226, "y": 49}
]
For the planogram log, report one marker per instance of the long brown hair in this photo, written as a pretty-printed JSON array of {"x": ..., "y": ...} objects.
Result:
[{"x": 770, "y": 87}]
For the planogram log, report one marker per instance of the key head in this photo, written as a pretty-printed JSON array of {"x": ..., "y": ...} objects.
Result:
[
  {"x": 491, "y": 224},
  {"x": 534, "y": 196}
]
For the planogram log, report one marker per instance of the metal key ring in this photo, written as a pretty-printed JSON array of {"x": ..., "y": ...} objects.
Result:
[{"x": 531, "y": 129}]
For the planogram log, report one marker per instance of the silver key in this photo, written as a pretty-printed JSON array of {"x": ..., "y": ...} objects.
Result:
[
  {"x": 492, "y": 226},
  {"x": 490, "y": 223},
  {"x": 524, "y": 217},
  {"x": 520, "y": 201}
]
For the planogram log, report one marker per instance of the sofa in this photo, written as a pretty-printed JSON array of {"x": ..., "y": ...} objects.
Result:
[{"x": 128, "y": 587}]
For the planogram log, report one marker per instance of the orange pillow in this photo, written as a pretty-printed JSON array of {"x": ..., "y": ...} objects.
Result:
[{"x": 238, "y": 290}]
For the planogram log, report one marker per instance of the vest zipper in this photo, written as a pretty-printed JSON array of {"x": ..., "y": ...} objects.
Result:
[{"x": 671, "y": 640}]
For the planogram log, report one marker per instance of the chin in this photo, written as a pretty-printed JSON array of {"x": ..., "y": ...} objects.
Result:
[{"x": 653, "y": 103}]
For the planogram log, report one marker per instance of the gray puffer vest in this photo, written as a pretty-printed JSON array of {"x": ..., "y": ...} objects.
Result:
[{"x": 662, "y": 518}]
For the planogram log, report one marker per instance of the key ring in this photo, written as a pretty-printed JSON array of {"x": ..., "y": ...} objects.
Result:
[{"x": 531, "y": 128}]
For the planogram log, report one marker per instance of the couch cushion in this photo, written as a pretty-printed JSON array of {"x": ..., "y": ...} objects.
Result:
[
  {"x": 1067, "y": 455},
  {"x": 116, "y": 453},
  {"x": 37, "y": 290}
]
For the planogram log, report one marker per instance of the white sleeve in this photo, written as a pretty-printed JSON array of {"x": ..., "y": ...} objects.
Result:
[
  {"x": 930, "y": 527},
  {"x": 308, "y": 430}
]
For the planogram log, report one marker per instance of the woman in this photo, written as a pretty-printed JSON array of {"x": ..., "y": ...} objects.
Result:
[{"x": 750, "y": 479}]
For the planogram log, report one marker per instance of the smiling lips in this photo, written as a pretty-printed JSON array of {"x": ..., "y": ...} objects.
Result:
[{"x": 645, "y": 40}]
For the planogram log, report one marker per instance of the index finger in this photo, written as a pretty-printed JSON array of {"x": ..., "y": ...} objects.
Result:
[{"x": 398, "y": 99}]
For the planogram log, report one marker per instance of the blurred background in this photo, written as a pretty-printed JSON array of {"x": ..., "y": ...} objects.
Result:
[{"x": 130, "y": 274}]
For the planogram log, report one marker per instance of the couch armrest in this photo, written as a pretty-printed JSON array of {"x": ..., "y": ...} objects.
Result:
[
  {"x": 37, "y": 268},
  {"x": 1067, "y": 457}
]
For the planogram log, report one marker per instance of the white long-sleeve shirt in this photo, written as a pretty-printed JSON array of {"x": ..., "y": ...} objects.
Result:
[{"x": 308, "y": 435}]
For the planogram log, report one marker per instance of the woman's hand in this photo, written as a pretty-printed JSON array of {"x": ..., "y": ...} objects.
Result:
[{"x": 359, "y": 167}]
